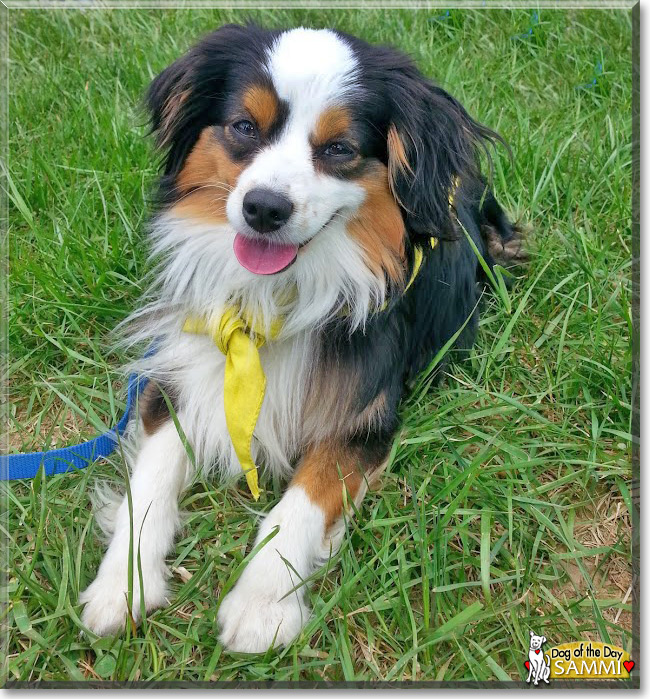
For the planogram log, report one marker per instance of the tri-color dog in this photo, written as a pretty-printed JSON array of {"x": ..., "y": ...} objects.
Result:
[{"x": 317, "y": 202}]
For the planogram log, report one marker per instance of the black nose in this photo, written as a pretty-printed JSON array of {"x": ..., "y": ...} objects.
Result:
[{"x": 266, "y": 211}]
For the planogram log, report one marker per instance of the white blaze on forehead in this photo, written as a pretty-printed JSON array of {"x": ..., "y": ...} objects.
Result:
[{"x": 312, "y": 68}]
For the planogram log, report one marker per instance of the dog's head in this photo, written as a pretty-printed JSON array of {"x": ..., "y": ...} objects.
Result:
[
  {"x": 536, "y": 642},
  {"x": 309, "y": 155}
]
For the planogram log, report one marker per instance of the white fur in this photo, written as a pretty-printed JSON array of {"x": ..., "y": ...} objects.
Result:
[
  {"x": 198, "y": 273},
  {"x": 259, "y": 608},
  {"x": 200, "y": 276},
  {"x": 193, "y": 367},
  {"x": 159, "y": 473},
  {"x": 312, "y": 67}
]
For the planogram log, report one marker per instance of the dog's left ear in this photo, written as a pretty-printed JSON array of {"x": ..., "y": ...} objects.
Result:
[
  {"x": 543, "y": 639},
  {"x": 433, "y": 144}
]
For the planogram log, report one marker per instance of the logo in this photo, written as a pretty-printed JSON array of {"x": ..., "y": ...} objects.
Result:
[
  {"x": 538, "y": 664},
  {"x": 583, "y": 660}
]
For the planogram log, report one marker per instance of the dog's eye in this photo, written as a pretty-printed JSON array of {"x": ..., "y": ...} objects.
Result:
[
  {"x": 338, "y": 149},
  {"x": 245, "y": 128}
]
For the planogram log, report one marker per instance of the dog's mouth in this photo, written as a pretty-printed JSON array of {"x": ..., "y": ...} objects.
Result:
[{"x": 263, "y": 256}]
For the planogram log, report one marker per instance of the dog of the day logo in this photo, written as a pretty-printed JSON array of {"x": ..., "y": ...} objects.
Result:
[{"x": 583, "y": 660}]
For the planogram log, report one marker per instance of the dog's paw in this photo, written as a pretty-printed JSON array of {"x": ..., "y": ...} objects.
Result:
[
  {"x": 105, "y": 607},
  {"x": 105, "y": 599},
  {"x": 252, "y": 619}
]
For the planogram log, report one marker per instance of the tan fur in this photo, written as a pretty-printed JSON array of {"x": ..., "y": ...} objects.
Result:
[
  {"x": 333, "y": 123},
  {"x": 206, "y": 180},
  {"x": 378, "y": 226},
  {"x": 329, "y": 404},
  {"x": 372, "y": 415},
  {"x": 397, "y": 159},
  {"x": 262, "y": 104},
  {"x": 330, "y": 409},
  {"x": 170, "y": 112},
  {"x": 324, "y": 473},
  {"x": 153, "y": 408}
]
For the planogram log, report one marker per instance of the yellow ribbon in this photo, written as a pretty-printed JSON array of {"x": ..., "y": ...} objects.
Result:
[
  {"x": 455, "y": 184},
  {"x": 244, "y": 380},
  {"x": 239, "y": 339}
]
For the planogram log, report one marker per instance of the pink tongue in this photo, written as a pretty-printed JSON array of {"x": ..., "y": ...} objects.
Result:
[{"x": 262, "y": 256}]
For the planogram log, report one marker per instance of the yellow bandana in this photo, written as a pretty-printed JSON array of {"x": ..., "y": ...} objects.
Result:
[
  {"x": 239, "y": 339},
  {"x": 244, "y": 380}
]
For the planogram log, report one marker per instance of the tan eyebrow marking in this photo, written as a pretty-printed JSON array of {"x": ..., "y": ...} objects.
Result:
[
  {"x": 262, "y": 104},
  {"x": 333, "y": 123}
]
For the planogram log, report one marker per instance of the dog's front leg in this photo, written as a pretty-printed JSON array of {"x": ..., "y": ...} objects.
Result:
[
  {"x": 262, "y": 609},
  {"x": 158, "y": 476}
]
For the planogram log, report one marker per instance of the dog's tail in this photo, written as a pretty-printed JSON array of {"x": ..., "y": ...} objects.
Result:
[{"x": 504, "y": 240}]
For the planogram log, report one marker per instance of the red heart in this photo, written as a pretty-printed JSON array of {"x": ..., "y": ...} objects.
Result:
[
  {"x": 628, "y": 665},
  {"x": 527, "y": 665},
  {"x": 537, "y": 652}
]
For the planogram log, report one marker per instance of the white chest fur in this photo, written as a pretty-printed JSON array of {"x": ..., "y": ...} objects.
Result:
[{"x": 193, "y": 369}]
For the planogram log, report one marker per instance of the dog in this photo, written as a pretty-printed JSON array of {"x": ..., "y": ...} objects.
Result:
[
  {"x": 320, "y": 210},
  {"x": 539, "y": 664}
]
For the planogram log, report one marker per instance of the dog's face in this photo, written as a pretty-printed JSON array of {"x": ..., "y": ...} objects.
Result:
[
  {"x": 310, "y": 152},
  {"x": 536, "y": 642},
  {"x": 303, "y": 154}
]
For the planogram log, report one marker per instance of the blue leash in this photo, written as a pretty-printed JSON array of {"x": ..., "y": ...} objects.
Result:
[{"x": 16, "y": 466}]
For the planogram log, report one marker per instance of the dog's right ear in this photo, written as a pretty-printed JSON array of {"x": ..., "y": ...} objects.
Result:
[
  {"x": 433, "y": 145},
  {"x": 187, "y": 96},
  {"x": 531, "y": 634}
]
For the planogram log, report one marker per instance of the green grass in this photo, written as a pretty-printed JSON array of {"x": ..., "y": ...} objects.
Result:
[{"x": 507, "y": 505}]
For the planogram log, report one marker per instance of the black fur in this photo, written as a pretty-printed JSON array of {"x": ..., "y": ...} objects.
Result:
[
  {"x": 442, "y": 142},
  {"x": 441, "y": 139}
]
